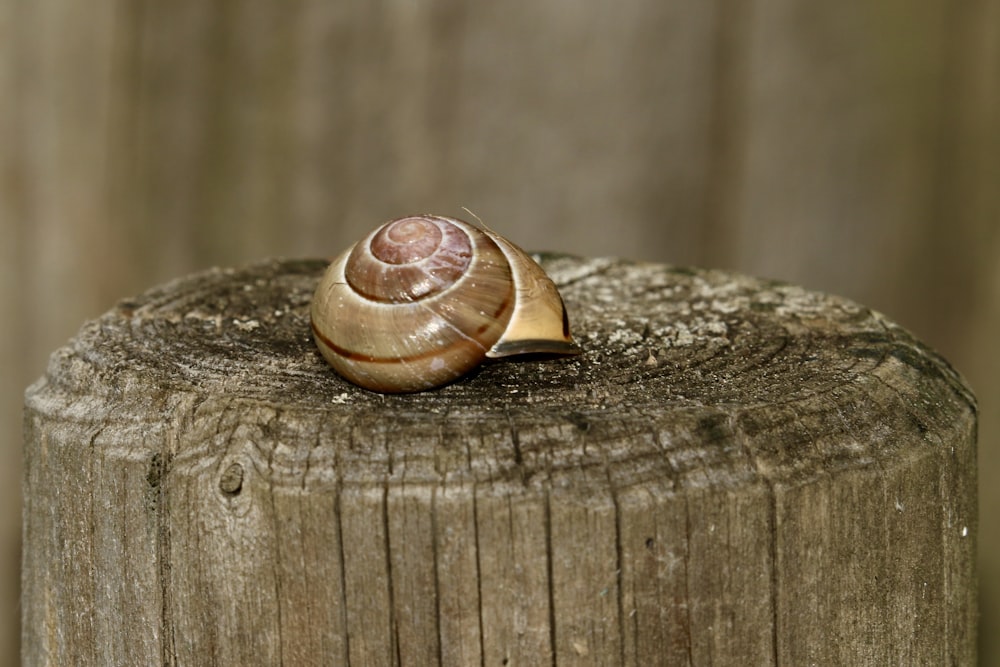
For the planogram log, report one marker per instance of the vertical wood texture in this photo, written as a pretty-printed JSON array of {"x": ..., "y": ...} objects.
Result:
[
  {"x": 733, "y": 471},
  {"x": 852, "y": 147}
]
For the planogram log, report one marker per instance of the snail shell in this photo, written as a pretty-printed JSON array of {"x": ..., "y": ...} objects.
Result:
[{"x": 422, "y": 300}]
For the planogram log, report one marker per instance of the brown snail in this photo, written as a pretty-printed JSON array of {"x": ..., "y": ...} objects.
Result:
[{"x": 423, "y": 300}]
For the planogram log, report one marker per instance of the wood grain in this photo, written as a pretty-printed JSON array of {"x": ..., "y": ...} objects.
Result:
[
  {"x": 852, "y": 147},
  {"x": 733, "y": 471}
]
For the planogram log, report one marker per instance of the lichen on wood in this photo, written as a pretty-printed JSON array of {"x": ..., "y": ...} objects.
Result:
[{"x": 734, "y": 471}]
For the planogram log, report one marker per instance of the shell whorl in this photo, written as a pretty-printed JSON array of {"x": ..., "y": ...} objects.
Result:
[
  {"x": 409, "y": 259},
  {"x": 417, "y": 303}
]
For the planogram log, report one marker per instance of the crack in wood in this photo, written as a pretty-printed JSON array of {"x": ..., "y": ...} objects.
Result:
[{"x": 249, "y": 486}]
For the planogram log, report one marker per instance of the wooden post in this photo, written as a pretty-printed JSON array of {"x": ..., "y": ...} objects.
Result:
[{"x": 734, "y": 472}]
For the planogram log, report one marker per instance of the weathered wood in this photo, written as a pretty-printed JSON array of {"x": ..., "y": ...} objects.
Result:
[
  {"x": 850, "y": 146},
  {"x": 734, "y": 472}
]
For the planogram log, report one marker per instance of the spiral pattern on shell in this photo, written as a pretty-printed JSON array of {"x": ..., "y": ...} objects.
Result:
[{"x": 421, "y": 301}]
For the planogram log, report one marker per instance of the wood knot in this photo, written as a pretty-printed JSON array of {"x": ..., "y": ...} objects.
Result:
[
  {"x": 231, "y": 482},
  {"x": 155, "y": 472}
]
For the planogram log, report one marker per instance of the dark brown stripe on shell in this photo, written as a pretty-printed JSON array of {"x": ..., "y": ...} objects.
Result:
[{"x": 355, "y": 356}]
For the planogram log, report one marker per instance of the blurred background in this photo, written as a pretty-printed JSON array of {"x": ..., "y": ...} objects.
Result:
[{"x": 852, "y": 147}]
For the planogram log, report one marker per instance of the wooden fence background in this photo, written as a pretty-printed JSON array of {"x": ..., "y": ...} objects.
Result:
[{"x": 852, "y": 147}]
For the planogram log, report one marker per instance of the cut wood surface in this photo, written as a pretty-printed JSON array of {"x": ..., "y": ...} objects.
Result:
[
  {"x": 853, "y": 147},
  {"x": 734, "y": 472}
]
